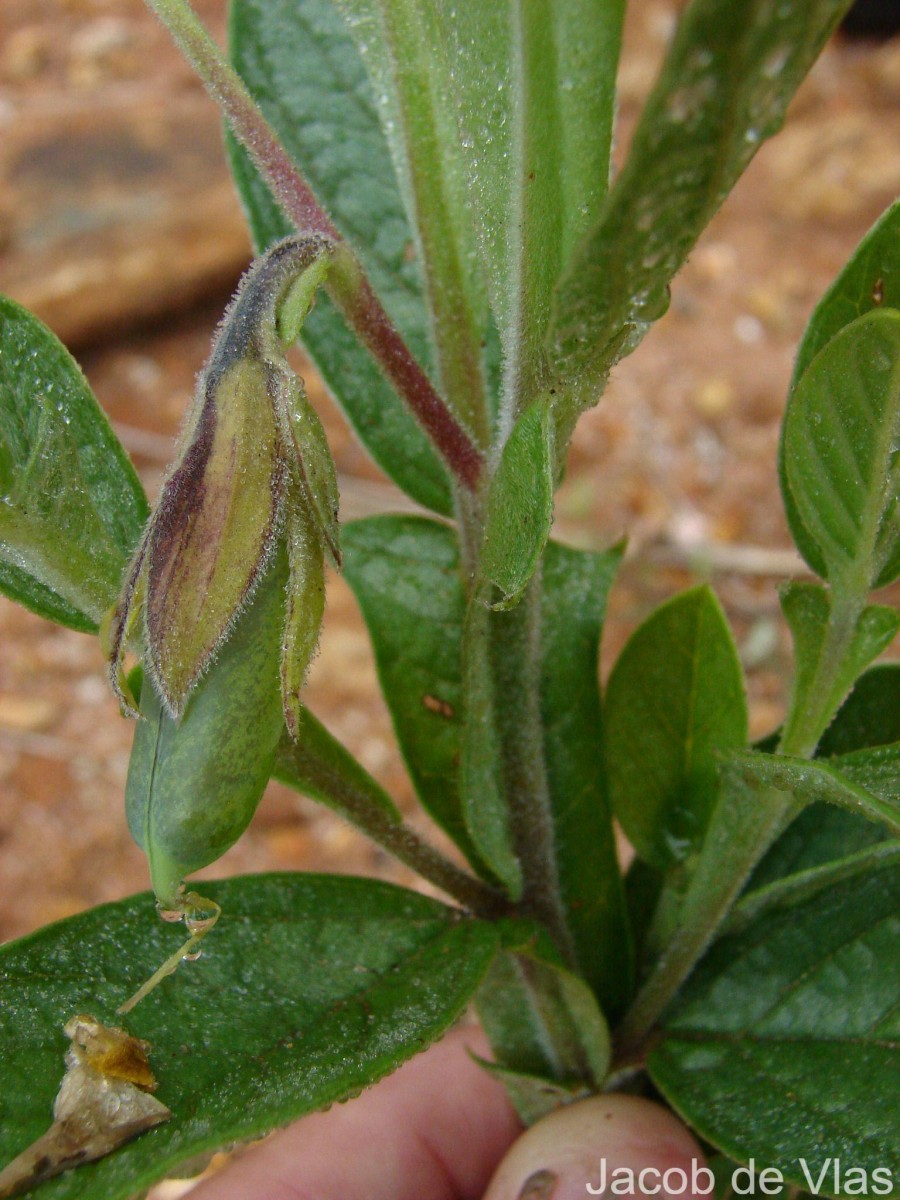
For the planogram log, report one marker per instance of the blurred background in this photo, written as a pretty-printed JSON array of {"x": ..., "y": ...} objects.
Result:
[{"x": 120, "y": 228}]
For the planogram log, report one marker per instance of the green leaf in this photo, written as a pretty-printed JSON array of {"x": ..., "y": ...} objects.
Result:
[
  {"x": 785, "y": 1041},
  {"x": 723, "y": 1170},
  {"x": 398, "y": 41},
  {"x": 877, "y": 770},
  {"x": 532, "y": 1096},
  {"x": 405, "y": 574},
  {"x": 520, "y": 505},
  {"x": 310, "y": 989},
  {"x": 299, "y": 61},
  {"x": 726, "y": 83},
  {"x": 842, "y": 452},
  {"x": 821, "y": 681},
  {"x": 871, "y": 279},
  {"x": 822, "y": 834},
  {"x": 25, "y": 590},
  {"x": 562, "y": 105},
  {"x": 675, "y": 702},
  {"x": 870, "y": 716},
  {"x": 810, "y": 882},
  {"x": 543, "y": 1023},
  {"x": 866, "y": 783},
  {"x": 576, "y": 584},
  {"x": 533, "y": 85},
  {"x": 72, "y": 507},
  {"x": 476, "y": 43},
  {"x": 194, "y": 784}
]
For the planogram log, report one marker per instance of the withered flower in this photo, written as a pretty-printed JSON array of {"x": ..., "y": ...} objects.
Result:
[
  {"x": 103, "y": 1101},
  {"x": 253, "y": 464}
]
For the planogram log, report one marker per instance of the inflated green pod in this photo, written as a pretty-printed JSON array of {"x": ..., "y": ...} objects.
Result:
[{"x": 194, "y": 783}]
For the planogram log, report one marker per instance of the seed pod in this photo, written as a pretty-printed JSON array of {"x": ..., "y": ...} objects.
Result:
[
  {"x": 194, "y": 784},
  {"x": 250, "y": 433}
]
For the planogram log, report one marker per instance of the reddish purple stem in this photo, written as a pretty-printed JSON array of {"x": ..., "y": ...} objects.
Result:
[
  {"x": 359, "y": 303},
  {"x": 374, "y": 327}
]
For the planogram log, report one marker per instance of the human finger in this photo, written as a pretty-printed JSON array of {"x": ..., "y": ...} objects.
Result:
[{"x": 434, "y": 1130}]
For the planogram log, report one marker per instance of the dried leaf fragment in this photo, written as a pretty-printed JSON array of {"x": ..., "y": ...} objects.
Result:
[{"x": 104, "y": 1100}]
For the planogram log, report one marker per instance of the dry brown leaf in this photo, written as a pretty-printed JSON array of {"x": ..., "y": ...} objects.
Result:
[{"x": 104, "y": 1101}]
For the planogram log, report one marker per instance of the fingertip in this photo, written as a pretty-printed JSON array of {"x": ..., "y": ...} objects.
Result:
[{"x": 614, "y": 1145}]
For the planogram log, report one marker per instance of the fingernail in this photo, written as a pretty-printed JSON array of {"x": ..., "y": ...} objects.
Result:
[{"x": 539, "y": 1186}]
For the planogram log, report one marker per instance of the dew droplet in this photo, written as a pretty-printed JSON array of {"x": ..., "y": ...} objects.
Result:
[
  {"x": 776, "y": 62},
  {"x": 200, "y": 925}
]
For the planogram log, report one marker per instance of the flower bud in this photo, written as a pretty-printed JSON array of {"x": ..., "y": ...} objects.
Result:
[{"x": 251, "y": 438}]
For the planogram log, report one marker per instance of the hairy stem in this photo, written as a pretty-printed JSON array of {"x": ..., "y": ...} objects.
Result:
[
  {"x": 515, "y": 664},
  {"x": 805, "y": 724},
  {"x": 353, "y": 294},
  {"x": 352, "y": 291},
  {"x": 739, "y": 834},
  {"x": 300, "y": 767}
]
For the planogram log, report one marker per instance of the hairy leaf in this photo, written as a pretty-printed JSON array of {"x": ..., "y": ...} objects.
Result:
[
  {"x": 399, "y": 43},
  {"x": 866, "y": 783},
  {"x": 310, "y": 988},
  {"x": 72, "y": 507},
  {"x": 870, "y": 716},
  {"x": 842, "y": 452},
  {"x": 675, "y": 702},
  {"x": 520, "y": 505},
  {"x": 18, "y": 585},
  {"x": 808, "y": 610},
  {"x": 533, "y": 87},
  {"x": 543, "y": 1023},
  {"x": 726, "y": 83},
  {"x": 404, "y": 572},
  {"x": 871, "y": 279},
  {"x": 786, "y": 1040}
]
